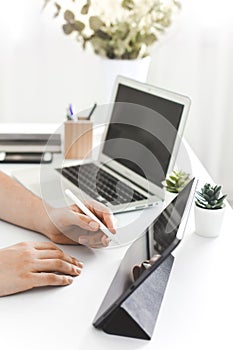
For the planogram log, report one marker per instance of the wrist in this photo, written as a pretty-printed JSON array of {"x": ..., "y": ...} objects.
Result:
[{"x": 42, "y": 220}]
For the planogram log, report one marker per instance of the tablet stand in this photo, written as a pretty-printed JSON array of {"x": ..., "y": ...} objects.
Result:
[{"x": 137, "y": 315}]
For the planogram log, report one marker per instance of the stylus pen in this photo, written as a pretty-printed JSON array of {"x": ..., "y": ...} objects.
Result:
[
  {"x": 92, "y": 111},
  {"x": 86, "y": 211}
]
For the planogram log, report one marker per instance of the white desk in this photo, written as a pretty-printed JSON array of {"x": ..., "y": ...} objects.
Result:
[{"x": 196, "y": 312}]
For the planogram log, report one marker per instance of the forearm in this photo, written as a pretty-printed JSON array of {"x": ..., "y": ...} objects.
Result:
[{"x": 21, "y": 207}]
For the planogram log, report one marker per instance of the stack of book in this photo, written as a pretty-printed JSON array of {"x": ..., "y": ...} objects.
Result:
[{"x": 24, "y": 147}]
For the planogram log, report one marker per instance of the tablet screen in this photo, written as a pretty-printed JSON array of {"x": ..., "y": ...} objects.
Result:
[{"x": 147, "y": 252}]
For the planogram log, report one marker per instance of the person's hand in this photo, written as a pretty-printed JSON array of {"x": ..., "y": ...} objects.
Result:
[
  {"x": 70, "y": 226},
  {"x": 27, "y": 265}
]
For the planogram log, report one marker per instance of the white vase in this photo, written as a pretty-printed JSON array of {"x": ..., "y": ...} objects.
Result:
[
  {"x": 110, "y": 69},
  {"x": 208, "y": 221}
]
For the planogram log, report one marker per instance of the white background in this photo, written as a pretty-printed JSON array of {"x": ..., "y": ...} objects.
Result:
[{"x": 42, "y": 70}]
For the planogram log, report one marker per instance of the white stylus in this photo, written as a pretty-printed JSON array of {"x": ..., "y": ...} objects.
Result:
[{"x": 86, "y": 211}]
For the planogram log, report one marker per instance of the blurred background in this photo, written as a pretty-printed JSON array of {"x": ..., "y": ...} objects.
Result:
[{"x": 42, "y": 71}]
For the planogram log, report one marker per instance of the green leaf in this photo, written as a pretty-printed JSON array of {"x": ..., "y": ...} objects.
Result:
[
  {"x": 200, "y": 205},
  {"x": 203, "y": 203},
  {"x": 169, "y": 183},
  {"x": 85, "y": 9},
  {"x": 172, "y": 190},
  {"x": 67, "y": 28},
  {"x": 103, "y": 35},
  {"x": 122, "y": 31},
  {"x": 58, "y": 7},
  {"x": 222, "y": 198},
  {"x": 78, "y": 26},
  {"x": 45, "y": 3},
  {"x": 217, "y": 192},
  {"x": 149, "y": 39},
  {"x": 99, "y": 45},
  {"x": 95, "y": 23},
  {"x": 127, "y": 4},
  {"x": 174, "y": 178},
  {"x": 69, "y": 16}
]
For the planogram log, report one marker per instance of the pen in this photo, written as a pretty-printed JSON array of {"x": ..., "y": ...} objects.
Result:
[
  {"x": 68, "y": 116},
  {"x": 91, "y": 111},
  {"x": 86, "y": 211},
  {"x": 71, "y": 110}
]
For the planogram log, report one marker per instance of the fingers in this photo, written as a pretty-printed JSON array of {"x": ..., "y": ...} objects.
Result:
[
  {"x": 100, "y": 210},
  {"x": 110, "y": 221},
  {"x": 105, "y": 241},
  {"x": 84, "y": 222},
  {"x": 45, "y": 245},
  {"x": 98, "y": 240},
  {"x": 58, "y": 254},
  {"x": 57, "y": 265},
  {"x": 104, "y": 214},
  {"x": 55, "y": 258},
  {"x": 50, "y": 279}
]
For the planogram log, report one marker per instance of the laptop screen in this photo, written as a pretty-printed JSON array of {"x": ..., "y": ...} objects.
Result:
[{"x": 142, "y": 132}]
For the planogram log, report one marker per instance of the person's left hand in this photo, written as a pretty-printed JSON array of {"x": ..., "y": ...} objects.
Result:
[{"x": 70, "y": 226}]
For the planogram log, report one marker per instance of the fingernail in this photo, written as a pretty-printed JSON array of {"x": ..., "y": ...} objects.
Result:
[
  {"x": 78, "y": 270},
  {"x": 70, "y": 280},
  {"x": 77, "y": 262},
  {"x": 106, "y": 242},
  {"x": 94, "y": 225},
  {"x": 83, "y": 240}
]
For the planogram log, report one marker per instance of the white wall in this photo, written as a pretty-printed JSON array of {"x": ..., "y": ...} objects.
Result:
[
  {"x": 42, "y": 70},
  {"x": 197, "y": 60}
]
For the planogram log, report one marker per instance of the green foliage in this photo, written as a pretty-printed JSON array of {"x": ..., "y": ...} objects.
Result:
[
  {"x": 177, "y": 181},
  {"x": 210, "y": 197},
  {"x": 123, "y": 30},
  {"x": 128, "y": 4}
]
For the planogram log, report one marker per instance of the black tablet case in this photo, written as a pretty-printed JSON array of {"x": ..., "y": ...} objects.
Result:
[{"x": 136, "y": 316}]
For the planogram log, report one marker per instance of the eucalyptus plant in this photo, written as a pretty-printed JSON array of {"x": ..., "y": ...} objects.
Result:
[
  {"x": 209, "y": 197},
  {"x": 117, "y": 29},
  {"x": 176, "y": 181}
]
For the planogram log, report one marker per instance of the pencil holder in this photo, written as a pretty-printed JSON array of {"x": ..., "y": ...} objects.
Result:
[{"x": 78, "y": 138}]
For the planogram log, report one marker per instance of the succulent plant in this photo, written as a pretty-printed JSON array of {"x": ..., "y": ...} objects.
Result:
[
  {"x": 210, "y": 197},
  {"x": 116, "y": 29},
  {"x": 176, "y": 181}
]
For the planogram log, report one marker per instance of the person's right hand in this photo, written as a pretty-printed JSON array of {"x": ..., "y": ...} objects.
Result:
[{"x": 27, "y": 265}]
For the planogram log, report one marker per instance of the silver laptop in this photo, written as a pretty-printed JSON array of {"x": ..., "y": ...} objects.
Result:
[{"x": 139, "y": 148}]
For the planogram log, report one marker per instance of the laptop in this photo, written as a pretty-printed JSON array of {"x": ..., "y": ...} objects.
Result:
[
  {"x": 160, "y": 239},
  {"x": 145, "y": 126},
  {"x": 143, "y": 131}
]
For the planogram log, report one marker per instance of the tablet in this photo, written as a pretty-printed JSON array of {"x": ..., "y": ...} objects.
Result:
[{"x": 147, "y": 253}]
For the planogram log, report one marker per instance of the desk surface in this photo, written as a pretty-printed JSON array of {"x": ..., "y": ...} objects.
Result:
[{"x": 196, "y": 312}]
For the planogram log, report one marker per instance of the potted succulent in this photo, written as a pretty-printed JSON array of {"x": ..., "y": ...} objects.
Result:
[
  {"x": 209, "y": 210},
  {"x": 174, "y": 183}
]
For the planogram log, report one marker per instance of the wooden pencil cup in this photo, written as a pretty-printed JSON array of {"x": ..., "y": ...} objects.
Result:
[{"x": 78, "y": 138}]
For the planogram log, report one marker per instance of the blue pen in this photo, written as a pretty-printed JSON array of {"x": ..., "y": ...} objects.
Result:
[{"x": 71, "y": 110}]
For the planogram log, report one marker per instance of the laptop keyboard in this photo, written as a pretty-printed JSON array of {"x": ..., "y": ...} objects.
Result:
[{"x": 100, "y": 185}]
